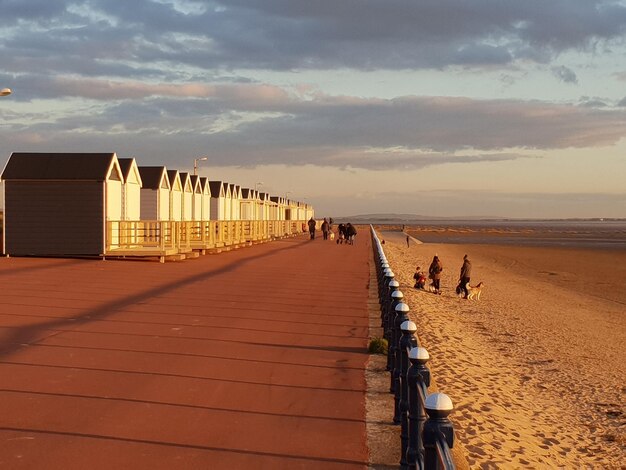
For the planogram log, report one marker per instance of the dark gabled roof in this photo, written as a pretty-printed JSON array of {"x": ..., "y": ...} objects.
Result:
[
  {"x": 204, "y": 181},
  {"x": 125, "y": 165},
  {"x": 58, "y": 166},
  {"x": 151, "y": 176},
  {"x": 171, "y": 175},
  {"x": 246, "y": 193},
  {"x": 275, "y": 198},
  {"x": 195, "y": 183},
  {"x": 215, "y": 186}
]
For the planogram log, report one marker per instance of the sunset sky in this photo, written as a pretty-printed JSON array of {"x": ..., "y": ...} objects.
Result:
[{"x": 511, "y": 108}]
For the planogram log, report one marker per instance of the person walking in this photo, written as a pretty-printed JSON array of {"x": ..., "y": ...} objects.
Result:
[
  {"x": 408, "y": 239},
  {"x": 312, "y": 223},
  {"x": 342, "y": 234},
  {"x": 434, "y": 272},
  {"x": 464, "y": 277},
  {"x": 350, "y": 233},
  {"x": 325, "y": 229}
]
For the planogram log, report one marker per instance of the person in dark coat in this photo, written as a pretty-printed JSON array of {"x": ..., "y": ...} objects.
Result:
[
  {"x": 464, "y": 277},
  {"x": 325, "y": 229},
  {"x": 341, "y": 228},
  {"x": 312, "y": 224},
  {"x": 434, "y": 272},
  {"x": 350, "y": 233}
]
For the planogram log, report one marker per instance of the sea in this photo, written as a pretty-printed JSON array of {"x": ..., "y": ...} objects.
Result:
[{"x": 596, "y": 233}]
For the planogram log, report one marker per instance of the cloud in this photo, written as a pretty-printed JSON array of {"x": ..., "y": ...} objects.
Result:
[
  {"x": 257, "y": 124},
  {"x": 622, "y": 102},
  {"x": 65, "y": 37},
  {"x": 565, "y": 74}
]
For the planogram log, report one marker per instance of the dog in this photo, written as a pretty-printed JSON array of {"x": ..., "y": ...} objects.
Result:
[
  {"x": 331, "y": 235},
  {"x": 474, "y": 291}
]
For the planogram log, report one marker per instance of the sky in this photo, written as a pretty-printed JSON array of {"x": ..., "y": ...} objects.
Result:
[{"x": 450, "y": 108}]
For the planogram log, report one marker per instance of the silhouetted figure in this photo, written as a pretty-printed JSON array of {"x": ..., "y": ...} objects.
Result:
[
  {"x": 464, "y": 277},
  {"x": 312, "y": 225},
  {"x": 325, "y": 229},
  {"x": 434, "y": 272}
]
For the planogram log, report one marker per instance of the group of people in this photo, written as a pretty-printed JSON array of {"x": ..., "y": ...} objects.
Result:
[
  {"x": 345, "y": 232},
  {"x": 434, "y": 273}
]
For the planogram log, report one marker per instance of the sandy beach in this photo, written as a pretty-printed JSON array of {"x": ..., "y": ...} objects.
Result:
[{"x": 536, "y": 368}]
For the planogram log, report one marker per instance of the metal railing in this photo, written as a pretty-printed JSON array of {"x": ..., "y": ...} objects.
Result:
[
  {"x": 426, "y": 433},
  {"x": 152, "y": 236}
]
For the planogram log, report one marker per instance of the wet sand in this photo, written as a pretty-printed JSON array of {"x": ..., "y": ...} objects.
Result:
[{"x": 536, "y": 368}]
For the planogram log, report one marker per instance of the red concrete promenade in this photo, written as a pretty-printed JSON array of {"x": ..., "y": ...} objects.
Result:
[{"x": 253, "y": 358}]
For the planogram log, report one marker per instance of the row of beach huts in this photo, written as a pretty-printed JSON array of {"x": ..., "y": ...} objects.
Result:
[{"x": 96, "y": 204}]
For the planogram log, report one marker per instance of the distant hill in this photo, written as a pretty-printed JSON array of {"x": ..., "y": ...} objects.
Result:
[{"x": 408, "y": 218}]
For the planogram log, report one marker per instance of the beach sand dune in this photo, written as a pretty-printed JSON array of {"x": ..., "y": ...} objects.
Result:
[{"x": 536, "y": 368}]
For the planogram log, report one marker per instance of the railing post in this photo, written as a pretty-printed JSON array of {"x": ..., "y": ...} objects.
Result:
[
  {"x": 402, "y": 315},
  {"x": 391, "y": 321},
  {"x": 396, "y": 297},
  {"x": 408, "y": 341},
  {"x": 418, "y": 381},
  {"x": 383, "y": 279},
  {"x": 437, "y": 426},
  {"x": 386, "y": 307}
]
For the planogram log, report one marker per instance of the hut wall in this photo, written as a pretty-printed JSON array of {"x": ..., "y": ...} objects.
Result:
[
  {"x": 176, "y": 206},
  {"x": 54, "y": 218},
  {"x": 132, "y": 201},
  {"x": 163, "y": 204},
  {"x": 114, "y": 200}
]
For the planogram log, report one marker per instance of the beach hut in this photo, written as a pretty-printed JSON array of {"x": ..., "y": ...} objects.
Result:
[
  {"x": 196, "y": 199},
  {"x": 264, "y": 206},
  {"x": 187, "y": 209},
  {"x": 227, "y": 201},
  {"x": 218, "y": 200},
  {"x": 247, "y": 204},
  {"x": 155, "y": 193},
  {"x": 176, "y": 196},
  {"x": 59, "y": 204},
  {"x": 279, "y": 207},
  {"x": 206, "y": 198},
  {"x": 235, "y": 202},
  {"x": 131, "y": 189}
]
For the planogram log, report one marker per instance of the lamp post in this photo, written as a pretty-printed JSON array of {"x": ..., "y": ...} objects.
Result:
[
  {"x": 5, "y": 92},
  {"x": 195, "y": 163},
  {"x": 256, "y": 185},
  {"x": 287, "y": 194}
]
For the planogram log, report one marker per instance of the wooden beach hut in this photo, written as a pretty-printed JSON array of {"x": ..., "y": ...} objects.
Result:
[
  {"x": 187, "y": 208},
  {"x": 155, "y": 193},
  {"x": 247, "y": 204},
  {"x": 206, "y": 198},
  {"x": 279, "y": 207},
  {"x": 58, "y": 204},
  {"x": 228, "y": 204},
  {"x": 176, "y": 196},
  {"x": 196, "y": 199},
  {"x": 131, "y": 189},
  {"x": 218, "y": 200},
  {"x": 235, "y": 201},
  {"x": 264, "y": 206}
]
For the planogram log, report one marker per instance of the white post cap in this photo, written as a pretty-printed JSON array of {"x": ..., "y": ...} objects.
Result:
[
  {"x": 408, "y": 326},
  {"x": 419, "y": 353},
  {"x": 402, "y": 307},
  {"x": 397, "y": 294},
  {"x": 438, "y": 401},
  {"x": 394, "y": 283}
]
